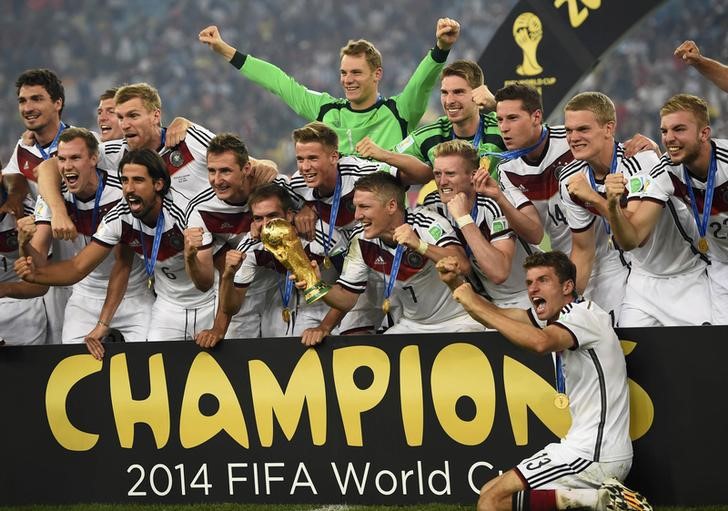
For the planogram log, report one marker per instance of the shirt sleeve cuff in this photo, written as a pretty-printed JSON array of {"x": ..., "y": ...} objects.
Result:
[
  {"x": 239, "y": 59},
  {"x": 439, "y": 55}
]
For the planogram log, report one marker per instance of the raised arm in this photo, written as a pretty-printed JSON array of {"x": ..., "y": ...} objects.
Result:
[
  {"x": 411, "y": 170},
  {"x": 709, "y": 68},
  {"x": 49, "y": 187}
]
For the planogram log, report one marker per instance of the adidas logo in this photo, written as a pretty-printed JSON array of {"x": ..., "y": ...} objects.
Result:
[
  {"x": 226, "y": 225},
  {"x": 26, "y": 166},
  {"x": 134, "y": 243},
  {"x": 522, "y": 188},
  {"x": 379, "y": 260}
]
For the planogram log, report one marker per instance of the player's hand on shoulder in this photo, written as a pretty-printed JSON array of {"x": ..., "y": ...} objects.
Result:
[
  {"x": 447, "y": 32},
  {"x": 639, "y": 143},
  {"x": 366, "y": 148},
  {"x": 176, "y": 131}
]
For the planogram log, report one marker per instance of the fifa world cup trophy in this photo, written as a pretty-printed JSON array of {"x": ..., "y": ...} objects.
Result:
[
  {"x": 527, "y": 32},
  {"x": 279, "y": 238}
]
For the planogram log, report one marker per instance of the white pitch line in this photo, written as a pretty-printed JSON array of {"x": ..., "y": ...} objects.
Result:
[{"x": 332, "y": 507}]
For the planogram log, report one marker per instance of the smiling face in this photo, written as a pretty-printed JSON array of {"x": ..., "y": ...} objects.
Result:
[
  {"x": 142, "y": 193},
  {"x": 359, "y": 80},
  {"x": 586, "y": 137},
  {"x": 546, "y": 293},
  {"x": 683, "y": 137},
  {"x": 77, "y": 167},
  {"x": 227, "y": 177},
  {"x": 141, "y": 127},
  {"x": 37, "y": 110},
  {"x": 376, "y": 217},
  {"x": 317, "y": 165},
  {"x": 107, "y": 121},
  {"x": 452, "y": 176},
  {"x": 519, "y": 128},
  {"x": 456, "y": 97}
]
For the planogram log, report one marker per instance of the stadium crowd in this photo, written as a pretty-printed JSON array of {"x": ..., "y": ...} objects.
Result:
[{"x": 168, "y": 231}]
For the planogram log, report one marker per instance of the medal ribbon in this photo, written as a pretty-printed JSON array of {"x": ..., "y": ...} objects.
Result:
[
  {"x": 97, "y": 201},
  {"x": 332, "y": 216},
  {"x": 514, "y": 154},
  {"x": 702, "y": 222},
  {"x": 593, "y": 182},
  {"x": 560, "y": 380},
  {"x": 286, "y": 290},
  {"x": 152, "y": 260},
  {"x": 395, "y": 270},
  {"x": 478, "y": 134},
  {"x": 474, "y": 216},
  {"x": 54, "y": 144}
]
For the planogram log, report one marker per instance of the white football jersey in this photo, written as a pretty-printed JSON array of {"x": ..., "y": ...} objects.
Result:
[
  {"x": 537, "y": 182},
  {"x": 668, "y": 179},
  {"x": 423, "y": 296},
  {"x": 171, "y": 281}
]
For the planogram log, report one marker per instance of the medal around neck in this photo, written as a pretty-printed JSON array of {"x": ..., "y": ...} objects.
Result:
[
  {"x": 561, "y": 401},
  {"x": 279, "y": 238}
]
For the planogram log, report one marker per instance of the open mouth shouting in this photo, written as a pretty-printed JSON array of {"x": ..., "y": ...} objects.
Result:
[
  {"x": 539, "y": 305},
  {"x": 71, "y": 179},
  {"x": 136, "y": 204}
]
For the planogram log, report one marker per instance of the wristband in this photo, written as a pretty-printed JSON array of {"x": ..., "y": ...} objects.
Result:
[
  {"x": 104, "y": 323},
  {"x": 422, "y": 247},
  {"x": 464, "y": 220}
]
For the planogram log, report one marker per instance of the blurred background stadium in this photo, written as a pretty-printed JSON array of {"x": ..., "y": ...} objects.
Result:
[{"x": 96, "y": 45}]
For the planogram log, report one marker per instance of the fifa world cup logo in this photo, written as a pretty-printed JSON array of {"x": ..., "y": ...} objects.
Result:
[{"x": 527, "y": 32}]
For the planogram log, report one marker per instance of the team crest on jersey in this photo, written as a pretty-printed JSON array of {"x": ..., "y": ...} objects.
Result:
[
  {"x": 414, "y": 259},
  {"x": 176, "y": 240},
  {"x": 638, "y": 184},
  {"x": 436, "y": 231},
  {"x": 11, "y": 241},
  {"x": 176, "y": 158},
  {"x": 499, "y": 225},
  {"x": 404, "y": 144}
]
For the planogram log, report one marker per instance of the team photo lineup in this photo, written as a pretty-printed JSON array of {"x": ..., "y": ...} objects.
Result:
[{"x": 145, "y": 228}]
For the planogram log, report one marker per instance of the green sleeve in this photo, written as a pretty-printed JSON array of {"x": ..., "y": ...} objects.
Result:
[
  {"x": 412, "y": 101},
  {"x": 304, "y": 102},
  {"x": 412, "y": 145}
]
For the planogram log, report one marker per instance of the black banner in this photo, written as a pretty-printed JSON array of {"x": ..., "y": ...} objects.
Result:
[
  {"x": 552, "y": 44},
  {"x": 387, "y": 419}
]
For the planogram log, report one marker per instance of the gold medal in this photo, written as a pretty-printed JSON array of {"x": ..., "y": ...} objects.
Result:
[
  {"x": 327, "y": 262},
  {"x": 561, "y": 401},
  {"x": 484, "y": 163},
  {"x": 286, "y": 313},
  {"x": 150, "y": 282},
  {"x": 703, "y": 245},
  {"x": 385, "y": 305}
]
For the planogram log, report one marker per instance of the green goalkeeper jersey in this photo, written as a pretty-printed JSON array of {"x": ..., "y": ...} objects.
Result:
[
  {"x": 387, "y": 122},
  {"x": 421, "y": 143}
]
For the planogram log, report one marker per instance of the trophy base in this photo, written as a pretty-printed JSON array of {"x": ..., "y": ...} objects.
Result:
[{"x": 315, "y": 292}]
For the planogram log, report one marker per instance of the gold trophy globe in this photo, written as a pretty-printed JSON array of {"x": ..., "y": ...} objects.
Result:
[{"x": 279, "y": 238}]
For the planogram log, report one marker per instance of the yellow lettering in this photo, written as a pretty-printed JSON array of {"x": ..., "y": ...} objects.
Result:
[
  {"x": 353, "y": 401},
  {"x": 65, "y": 375},
  {"x": 410, "y": 391},
  {"x": 641, "y": 409},
  {"x": 306, "y": 384},
  {"x": 153, "y": 411},
  {"x": 577, "y": 16},
  {"x": 207, "y": 377},
  {"x": 526, "y": 390},
  {"x": 463, "y": 370}
]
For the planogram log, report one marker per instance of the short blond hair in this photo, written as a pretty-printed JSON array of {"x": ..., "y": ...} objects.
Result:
[
  {"x": 148, "y": 94},
  {"x": 363, "y": 47},
  {"x": 688, "y": 103},
  {"x": 595, "y": 102},
  {"x": 461, "y": 148}
]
